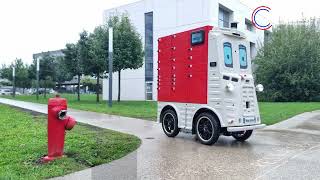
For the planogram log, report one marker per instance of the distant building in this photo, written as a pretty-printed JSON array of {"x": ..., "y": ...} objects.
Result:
[
  {"x": 57, "y": 53},
  {"x": 157, "y": 18},
  {"x": 4, "y": 81}
]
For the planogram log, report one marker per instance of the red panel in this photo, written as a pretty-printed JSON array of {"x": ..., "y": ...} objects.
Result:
[
  {"x": 179, "y": 93},
  {"x": 183, "y": 68}
]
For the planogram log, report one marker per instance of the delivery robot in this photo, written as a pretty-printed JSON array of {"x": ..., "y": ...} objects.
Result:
[{"x": 205, "y": 85}]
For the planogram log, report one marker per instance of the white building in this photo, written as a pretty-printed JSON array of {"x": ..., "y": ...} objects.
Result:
[{"x": 157, "y": 18}]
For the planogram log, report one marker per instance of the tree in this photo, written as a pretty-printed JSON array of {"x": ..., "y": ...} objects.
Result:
[
  {"x": 21, "y": 74},
  {"x": 96, "y": 64},
  {"x": 88, "y": 83},
  {"x": 74, "y": 56},
  {"x": 47, "y": 74},
  {"x": 289, "y": 64},
  {"x": 62, "y": 71},
  {"x": 128, "y": 51},
  {"x": 47, "y": 82},
  {"x": 5, "y": 72}
]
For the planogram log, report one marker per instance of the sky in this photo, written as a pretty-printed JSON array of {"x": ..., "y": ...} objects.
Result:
[{"x": 33, "y": 26}]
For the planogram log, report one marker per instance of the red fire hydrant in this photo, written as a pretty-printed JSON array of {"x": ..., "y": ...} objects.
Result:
[{"x": 58, "y": 123}]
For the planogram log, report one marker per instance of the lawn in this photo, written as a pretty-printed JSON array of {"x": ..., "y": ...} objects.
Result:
[
  {"x": 271, "y": 113},
  {"x": 137, "y": 109},
  {"x": 23, "y": 140}
]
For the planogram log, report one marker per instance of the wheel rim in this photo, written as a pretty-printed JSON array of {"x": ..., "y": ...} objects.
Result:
[
  {"x": 205, "y": 129},
  {"x": 168, "y": 123}
]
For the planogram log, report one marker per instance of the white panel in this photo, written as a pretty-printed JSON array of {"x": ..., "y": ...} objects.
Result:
[
  {"x": 190, "y": 12},
  {"x": 165, "y": 14},
  {"x": 132, "y": 85}
]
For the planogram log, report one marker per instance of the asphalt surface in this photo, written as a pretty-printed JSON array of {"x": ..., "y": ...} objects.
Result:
[{"x": 290, "y": 150}]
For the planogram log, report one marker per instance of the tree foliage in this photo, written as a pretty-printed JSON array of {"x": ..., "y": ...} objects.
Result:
[
  {"x": 21, "y": 73},
  {"x": 47, "y": 74},
  {"x": 128, "y": 48},
  {"x": 95, "y": 63},
  {"x": 128, "y": 51},
  {"x": 289, "y": 64},
  {"x": 72, "y": 60},
  {"x": 61, "y": 70}
]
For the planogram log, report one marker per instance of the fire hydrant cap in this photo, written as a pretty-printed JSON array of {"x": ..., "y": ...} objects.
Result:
[
  {"x": 54, "y": 102},
  {"x": 71, "y": 122}
]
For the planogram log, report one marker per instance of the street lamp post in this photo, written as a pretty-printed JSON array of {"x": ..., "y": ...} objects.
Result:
[
  {"x": 14, "y": 81},
  {"x": 38, "y": 74},
  {"x": 110, "y": 64}
]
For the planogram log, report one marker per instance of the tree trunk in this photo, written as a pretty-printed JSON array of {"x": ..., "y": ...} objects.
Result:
[
  {"x": 22, "y": 90},
  {"x": 45, "y": 92},
  {"x": 78, "y": 87},
  {"x": 98, "y": 88},
  {"x": 59, "y": 87},
  {"x": 119, "y": 85}
]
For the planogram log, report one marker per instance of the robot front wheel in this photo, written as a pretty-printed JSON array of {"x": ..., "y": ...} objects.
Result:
[
  {"x": 169, "y": 120},
  {"x": 207, "y": 128}
]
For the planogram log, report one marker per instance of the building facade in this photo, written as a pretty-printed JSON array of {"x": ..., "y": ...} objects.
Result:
[
  {"x": 157, "y": 18},
  {"x": 56, "y": 53}
]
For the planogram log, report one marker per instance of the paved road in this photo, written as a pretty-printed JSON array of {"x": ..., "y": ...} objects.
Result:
[{"x": 272, "y": 153}]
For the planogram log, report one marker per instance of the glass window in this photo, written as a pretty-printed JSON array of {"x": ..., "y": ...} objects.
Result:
[
  {"x": 148, "y": 46},
  {"x": 224, "y": 18},
  {"x": 149, "y": 87},
  {"x": 243, "y": 57},
  {"x": 249, "y": 25},
  {"x": 197, "y": 37},
  {"x": 227, "y": 49}
]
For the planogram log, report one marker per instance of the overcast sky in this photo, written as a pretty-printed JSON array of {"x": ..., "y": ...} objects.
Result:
[{"x": 31, "y": 26}]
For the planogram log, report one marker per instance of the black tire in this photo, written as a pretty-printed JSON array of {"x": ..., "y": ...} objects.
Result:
[
  {"x": 207, "y": 128},
  {"x": 242, "y": 135},
  {"x": 169, "y": 121}
]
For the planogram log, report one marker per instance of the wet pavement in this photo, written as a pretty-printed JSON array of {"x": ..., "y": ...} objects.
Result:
[{"x": 276, "y": 152}]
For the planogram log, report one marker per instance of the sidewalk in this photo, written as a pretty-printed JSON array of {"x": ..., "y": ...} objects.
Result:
[
  {"x": 268, "y": 154},
  {"x": 308, "y": 123}
]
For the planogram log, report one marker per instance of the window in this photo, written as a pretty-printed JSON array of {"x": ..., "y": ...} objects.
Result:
[
  {"x": 224, "y": 18},
  {"x": 253, "y": 50},
  {"x": 149, "y": 46},
  {"x": 249, "y": 25},
  {"x": 243, "y": 57},
  {"x": 148, "y": 54},
  {"x": 149, "y": 86},
  {"x": 197, "y": 38},
  {"x": 228, "y": 54}
]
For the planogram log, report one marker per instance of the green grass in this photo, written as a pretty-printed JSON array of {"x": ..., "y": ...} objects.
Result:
[
  {"x": 23, "y": 140},
  {"x": 270, "y": 112},
  {"x": 137, "y": 109}
]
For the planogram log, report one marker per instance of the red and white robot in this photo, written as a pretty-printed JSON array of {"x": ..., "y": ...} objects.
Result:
[{"x": 205, "y": 85}]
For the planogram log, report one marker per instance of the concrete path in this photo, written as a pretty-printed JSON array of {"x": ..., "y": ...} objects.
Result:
[
  {"x": 273, "y": 153},
  {"x": 308, "y": 122}
]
